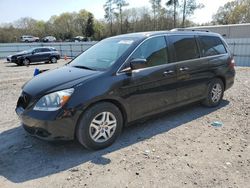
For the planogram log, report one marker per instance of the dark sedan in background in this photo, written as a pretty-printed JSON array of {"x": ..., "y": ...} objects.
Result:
[{"x": 41, "y": 54}]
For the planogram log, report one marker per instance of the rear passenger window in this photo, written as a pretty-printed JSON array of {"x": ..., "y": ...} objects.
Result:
[
  {"x": 185, "y": 47},
  {"x": 211, "y": 46},
  {"x": 45, "y": 50},
  {"x": 154, "y": 50}
]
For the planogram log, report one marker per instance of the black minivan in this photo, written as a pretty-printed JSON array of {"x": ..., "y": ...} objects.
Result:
[{"x": 122, "y": 79}]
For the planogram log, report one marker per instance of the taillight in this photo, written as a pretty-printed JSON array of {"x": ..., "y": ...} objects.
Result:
[{"x": 231, "y": 63}]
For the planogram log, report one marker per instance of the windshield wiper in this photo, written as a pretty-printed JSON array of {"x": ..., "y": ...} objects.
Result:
[{"x": 83, "y": 67}]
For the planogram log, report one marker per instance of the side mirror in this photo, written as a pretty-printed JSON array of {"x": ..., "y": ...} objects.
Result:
[{"x": 138, "y": 64}]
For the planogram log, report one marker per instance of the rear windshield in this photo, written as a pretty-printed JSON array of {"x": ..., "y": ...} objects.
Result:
[{"x": 211, "y": 45}]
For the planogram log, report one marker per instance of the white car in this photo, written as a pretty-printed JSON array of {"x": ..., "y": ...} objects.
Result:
[
  {"x": 29, "y": 38},
  {"x": 49, "y": 39},
  {"x": 78, "y": 39}
]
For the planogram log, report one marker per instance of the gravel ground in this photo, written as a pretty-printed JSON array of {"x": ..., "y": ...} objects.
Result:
[{"x": 176, "y": 149}]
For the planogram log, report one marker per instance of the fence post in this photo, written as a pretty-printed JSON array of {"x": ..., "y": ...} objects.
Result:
[
  {"x": 71, "y": 53},
  {"x": 234, "y": 44},
  {"x": 60, "y": 45}
]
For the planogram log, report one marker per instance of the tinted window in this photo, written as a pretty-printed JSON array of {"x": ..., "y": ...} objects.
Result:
[
  {"x": 45, "y": 50},
  {"x": 38, "y": 50},
  {"x": 185, "y": 47},
  {"x": 154, "y": 51},
  {"x": 211, "y": 46}
]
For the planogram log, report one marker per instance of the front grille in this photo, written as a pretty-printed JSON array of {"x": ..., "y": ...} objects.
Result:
[
  {"x": 23, "y": 100},
  {"x": 40, "y": 132},
  {"x": 13, "y": 58}
]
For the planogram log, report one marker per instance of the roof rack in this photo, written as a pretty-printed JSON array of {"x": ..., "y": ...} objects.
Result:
[{"x": 189, "y": 29}]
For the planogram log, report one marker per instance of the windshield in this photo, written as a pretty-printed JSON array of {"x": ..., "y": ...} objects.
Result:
[
  {"x": 103, "y": 55},
  {"x": 28, "y": 51}
]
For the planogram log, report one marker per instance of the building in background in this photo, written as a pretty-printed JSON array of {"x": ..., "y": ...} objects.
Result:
[
  {"x": 238, "y": 39},
  {"x": 231, "y": 31}
]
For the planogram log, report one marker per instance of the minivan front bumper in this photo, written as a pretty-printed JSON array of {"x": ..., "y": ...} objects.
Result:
[{"x": 46, "y": 126}]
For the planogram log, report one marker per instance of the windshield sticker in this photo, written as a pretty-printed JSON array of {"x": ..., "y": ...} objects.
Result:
[{"x": 125, "y": 42}]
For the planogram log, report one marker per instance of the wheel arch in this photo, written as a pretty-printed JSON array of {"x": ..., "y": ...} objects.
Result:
[
  {"x": 223, "y": 80},
  {"x": 26, "y": 57},
  {"x": 115, "y": 102}
]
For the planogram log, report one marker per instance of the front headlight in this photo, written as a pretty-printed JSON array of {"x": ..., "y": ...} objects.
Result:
[{"x": 53, "y": 101}]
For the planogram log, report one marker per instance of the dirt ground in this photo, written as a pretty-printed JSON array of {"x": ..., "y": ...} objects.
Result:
[{"x": 177, "y": 149}]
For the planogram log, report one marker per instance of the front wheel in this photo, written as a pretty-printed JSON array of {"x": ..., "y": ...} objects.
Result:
[
  {"x": 215, "y": 93},
  {"x": 99, "y": 126},
  {"x": 26, "y": 62}
]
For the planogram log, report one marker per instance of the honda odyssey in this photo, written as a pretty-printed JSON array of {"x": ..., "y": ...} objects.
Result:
[{"x": 122, "y": 79}]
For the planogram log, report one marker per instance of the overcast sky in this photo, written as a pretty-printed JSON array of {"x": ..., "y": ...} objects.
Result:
[{"x": 11, "y": 10}]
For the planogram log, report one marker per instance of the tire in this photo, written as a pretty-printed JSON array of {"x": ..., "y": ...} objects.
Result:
[
  {"x": 215, "y": 93},
  {"x": 92, "y": 130},
  {"x": 53, "y": 59},
  {"x": 26, "y": 62}
]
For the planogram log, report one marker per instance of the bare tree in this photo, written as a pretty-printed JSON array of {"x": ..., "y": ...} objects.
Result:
[
  {"x": 156, "y": 7},
  {"x": 120, "y": 4},
  {"x": 189, "y": 6},
  {"x": 109, "y": 13},
  {"x": 175, "y": 4}
]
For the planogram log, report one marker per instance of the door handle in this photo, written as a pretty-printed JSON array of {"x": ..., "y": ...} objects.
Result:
[
  {"x": 184, "y": 69},
  {"x": 167, "y": 72}
]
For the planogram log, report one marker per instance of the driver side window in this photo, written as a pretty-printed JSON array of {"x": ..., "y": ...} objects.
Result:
[{"x": 154, "y": 50}]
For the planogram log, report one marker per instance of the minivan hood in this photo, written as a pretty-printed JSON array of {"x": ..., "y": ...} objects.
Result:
[{"x": 50, "y": 81}]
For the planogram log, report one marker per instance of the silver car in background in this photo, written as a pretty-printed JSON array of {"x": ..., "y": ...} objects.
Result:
[
  {"x": 49, "y": 39},
  {"x": 29, "y": 38}
]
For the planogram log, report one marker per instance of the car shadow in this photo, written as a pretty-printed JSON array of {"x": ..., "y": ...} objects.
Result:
[
  {"x": 32, "y": 64},
  {"x": 24, "y": 158}
]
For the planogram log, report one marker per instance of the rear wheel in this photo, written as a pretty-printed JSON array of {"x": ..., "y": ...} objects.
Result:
[
  {"x": 99, "y": 126},
  {"x": 53, "y": 60},
  {"x": 215, "y": 93}
]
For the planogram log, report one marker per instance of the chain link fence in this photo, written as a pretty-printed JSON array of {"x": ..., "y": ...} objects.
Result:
[
  {"x": 239, "y": 47},
  {"x": 241, "y": 51},
  {"x": 69, "y": 49}
]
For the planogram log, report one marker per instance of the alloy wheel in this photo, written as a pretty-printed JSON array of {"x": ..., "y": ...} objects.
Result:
[
  {"x": 53, "y": 60},
  {"x": 102, "y": 127},
  {"x": 26, "y": 62},
  {"x": 216, "y": 92}
]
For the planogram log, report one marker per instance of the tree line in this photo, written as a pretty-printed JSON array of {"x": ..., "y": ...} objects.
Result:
[
  {"x": 162, "y": 15},
  {"x": 233, "y": 12},
  {"x": 119, "y": 19},
  {"x": 64, "y": 26}
]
